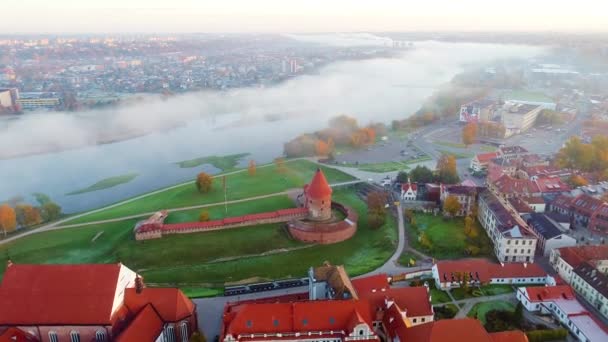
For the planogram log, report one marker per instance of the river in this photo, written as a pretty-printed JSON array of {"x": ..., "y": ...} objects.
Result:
[{"x": 233, "y": 122}]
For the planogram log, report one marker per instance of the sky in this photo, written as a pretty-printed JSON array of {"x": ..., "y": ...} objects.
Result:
[{"x": 184, "y": 16}]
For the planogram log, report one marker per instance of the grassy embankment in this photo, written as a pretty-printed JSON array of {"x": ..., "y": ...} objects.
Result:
[{"x": 106, "y": 183}]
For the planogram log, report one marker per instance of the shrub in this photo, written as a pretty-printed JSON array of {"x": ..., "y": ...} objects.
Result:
[{"x": 547, "y": 335}]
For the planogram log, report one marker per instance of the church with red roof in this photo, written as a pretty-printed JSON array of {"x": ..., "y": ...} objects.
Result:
[{"x": 89, "y": 302}]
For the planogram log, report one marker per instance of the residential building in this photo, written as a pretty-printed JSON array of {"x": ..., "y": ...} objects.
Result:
[
  {"x": 480, "y": 161},
  {"x": 450, "y": 274},
  {"x": 537, "y": 204},
  {"x": 466, "y": 195},
  {"x": 450, "y": 330},
  {"x": 561, "y": 303},
  {"x": 584, "y": 211},
  {"x": 592, "y": 285},
  {"x": 33, "y": 101},
  {"x": 513, "y": 240},
  {"x": 409, "y": 191},
  {"x": 90, "y": 302},
  {"x": 518, "y": 117},
  {"x": 338, "y": 309},
  {"x": 565, "y": 259},
  {"x": 510, "y": 152},
  {"x": 478, "y": 110},
  {"x": 548, "y": 232},
  {"x": 508, "y": 187}
]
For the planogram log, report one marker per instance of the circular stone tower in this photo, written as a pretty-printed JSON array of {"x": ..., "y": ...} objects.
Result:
[{"x": 318, "y": 197}]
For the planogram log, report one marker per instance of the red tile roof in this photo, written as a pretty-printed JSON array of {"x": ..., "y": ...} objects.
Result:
[
  {"x": 170, "y": 303},
  {"x": 484, "y": 270},
  {"x": 507, "y": 185},
  {"x": 58, "y": 294},
  {"x": 545, "y": 293},
  {"x": 373, "y": 283},
  {"x": 509, "y": 336},
  {"x": 407, "y": 186},
  {"x": 146, "y": 326},
  {"x": 16, "y": 335},
  {"x": 449, "y": 330},
  {"x": 586, "y": 205},
  {"x": 575, "y": 256},
  {"x": 549, "y": 185},
  {"x": 295, "y": 317},
  {"x": 486, "y": 157},
  {"x": 318, "y": 187}
]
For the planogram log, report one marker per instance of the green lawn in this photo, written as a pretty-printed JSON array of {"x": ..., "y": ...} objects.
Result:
[
  {"x": 485, "y": 290},
  {"x": 405, "y": 258},
  {"x": 224, "y": 163},
  {"x": 450, "y": 144},
  {"x": 208, "y": 260},
  {"x": 446, "y": 235},
  {"x": 458, "y": 155},
  {"x": 480, "y": 310},
  {"x": 439, "y": 296},
  {"x": 106, "y": 183},
  {"x": 418, "y": 160},
  {"x": 488, "y": 148},
  {"x": 240, "y": 185},
  {"x": 383, "y": 167}
]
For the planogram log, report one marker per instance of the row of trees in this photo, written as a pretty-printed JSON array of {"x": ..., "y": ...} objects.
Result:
[
  {"x": 591, "y": 157},
  {"x": 16, "y": 213},
  {"x": 376, "y": 209},
  {"x": 446, "y": 172},
  {"x": 469, "y": 134},
  {"x": 342, "y": 130}
]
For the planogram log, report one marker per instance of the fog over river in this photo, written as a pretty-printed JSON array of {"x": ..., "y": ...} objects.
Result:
[{"x": 221, "y": 123}]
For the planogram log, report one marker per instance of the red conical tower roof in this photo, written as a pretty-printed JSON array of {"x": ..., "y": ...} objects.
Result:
[{"x": 318, "y": 187}]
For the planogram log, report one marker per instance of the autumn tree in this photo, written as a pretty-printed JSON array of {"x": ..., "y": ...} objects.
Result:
[
  {"x": 203, "y": 216},
  {"x": 451, "y": 205},
  {"x": 251, "y": 168},
  {"x": 50, "y": 211},
  {"x": 577, "y": 180},
  {"x": 8, "y": 219},
  {"x": 446, "y": 167},
  {"x": 470, "y": 229},
  {"x": 322, "y": 148},
  {"x": 27, "y": 215},
  {"x": 280, "y": 165},
  {"x": 376, "y": 208},
  {"x": 204, "y": 182},
  {"x": 425, "y": 241},
  {"x": 469, "y": 133}
]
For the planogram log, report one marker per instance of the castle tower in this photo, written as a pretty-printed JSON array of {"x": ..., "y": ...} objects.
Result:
[{"x": 318, "y": 197}]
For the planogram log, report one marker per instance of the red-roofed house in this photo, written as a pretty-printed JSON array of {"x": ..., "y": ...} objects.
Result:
[
  {"x": 318, "y": 197},
  {"x": 451, "y": 273},
  {"x": 548, "y": 185},
  {"x": 409, "y": 191},
  {"x": 561, "y": 302},
  {"x": 89, "y": 302},
  {"x": 565, "y": 259},
  {"x": 509, "y": 187},
  {"x": 480, "y": 162}
]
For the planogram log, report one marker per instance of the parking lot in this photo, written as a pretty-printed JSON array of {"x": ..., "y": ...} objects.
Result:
[{"x": 384, "y": 151}]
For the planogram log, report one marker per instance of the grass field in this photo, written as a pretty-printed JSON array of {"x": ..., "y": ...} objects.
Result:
[
  {"x": 439, "y": 296},
  {"x": 458, "y": 155},
  {"x": 486, "y": 290},
  {"x": 383, "y": 167},
  {"x": 240, "y": 185},
  {"x": 447, "y": 236},
  {"x": 224, "y": 163},
  {"x": 480, "y": 310},
  {"x": 208, "y": 260},
  {"x": 106, "y": 183},
  {"x": 450, "y": 144},
  {"x": 405, "y": 258}
]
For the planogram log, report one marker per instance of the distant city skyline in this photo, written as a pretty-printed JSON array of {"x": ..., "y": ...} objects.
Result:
[{"x": 183, "y": 16}]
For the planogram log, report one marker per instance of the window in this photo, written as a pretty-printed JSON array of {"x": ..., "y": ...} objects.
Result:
[
  {"x": 530, "y": 242},
  {"x": 423, "y": 319},
  {"x": 508, "y": 242},
  {"x": 522, "y": 251},
  {"x": 414, "y": 320},
  {"x": 53, "y": 336},
  {"x": 100, "y": 336},
  {"x": 170, "y": 334},
  {"x": 183, "y": 331},
  {"x": 516, "y": 242},
  {"x": 508, "y": 250},
  {"x": 74, "y": 336}
]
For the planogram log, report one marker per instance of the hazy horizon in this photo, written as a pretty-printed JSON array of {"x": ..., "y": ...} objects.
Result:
[{"x": 274, "y": 16}]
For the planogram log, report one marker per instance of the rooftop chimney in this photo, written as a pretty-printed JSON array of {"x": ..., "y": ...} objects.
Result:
[{"x": 139, "y": 285}]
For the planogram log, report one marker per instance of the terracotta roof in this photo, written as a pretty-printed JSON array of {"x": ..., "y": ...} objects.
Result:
[
  {"x": 546, "y": 293},
  {"x": 575, "y": 256},
  {"x": 586, "y": 205},
  {"x": 507, "y": 185},
  {"x": 318, "y": 187},
  {"x": 448, "y": 330},
  {"x": 371, "y": 284},
  {"x": 484, "y": 270},
  {"x": 520, "y": 205},
  {"x": 58, "y": 294},
  {"x": 512, "y": 150},
  {"x": 414, "y": 301},
  {"x": 509, "y": 336},
  {"x": 548, "y": 185},
  {"x": 170, "y": 303},
  {"x": 486, "y": 157},
  {"x": 146, "y": 326},
  {"x": 563, "y": 202},
  {"x": 406, "y": 187},
  {"x": 330, "y": 315}
]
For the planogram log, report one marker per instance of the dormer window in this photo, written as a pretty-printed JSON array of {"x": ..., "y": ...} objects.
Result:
[{"x": 74, "y": 336}]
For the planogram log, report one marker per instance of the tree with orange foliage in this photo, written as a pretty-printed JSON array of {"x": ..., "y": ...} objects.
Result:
[
  {"x": 469, "y": 133},
  {"x": 204, "y": 182},
  {"x": 203, "y": 216},
  {"x": 280, "y": 165},
  {"x": 322, "y": 148},
  {"x": 8, "y": 219},
  {"x": 577, "y": 180},
  {"x": 27, "y": 215},
  {"x": 251, "y": 168}
]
